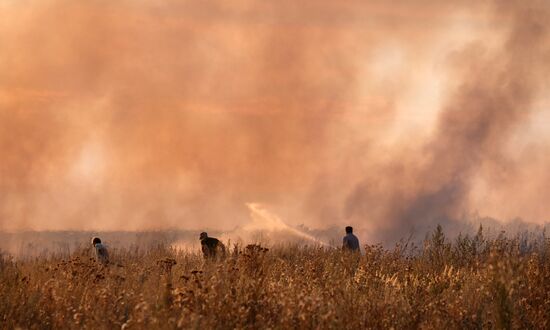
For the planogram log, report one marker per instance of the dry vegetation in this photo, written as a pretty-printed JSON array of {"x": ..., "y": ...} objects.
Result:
[{"x": 470, "y": 282}]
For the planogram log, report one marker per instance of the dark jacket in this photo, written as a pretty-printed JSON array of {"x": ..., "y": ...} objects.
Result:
[
  {"x": 211, "y": 247},
  {"x": 350, "y": 242}
]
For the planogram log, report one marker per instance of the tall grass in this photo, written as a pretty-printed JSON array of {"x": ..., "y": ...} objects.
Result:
[{"x": 471, "y": 282}]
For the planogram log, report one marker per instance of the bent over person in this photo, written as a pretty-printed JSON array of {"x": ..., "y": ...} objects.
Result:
[
  {"x": 350, "y": 242},
  {"x": 100, "y": 251},
  {"x": 211, "y": 247}
]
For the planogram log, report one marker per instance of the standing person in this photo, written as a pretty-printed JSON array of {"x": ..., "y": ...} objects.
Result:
[
  {"x": 350, "y": 242},
  {"x": 100, "y": 251},
  {"x": 211, "y": 246}
]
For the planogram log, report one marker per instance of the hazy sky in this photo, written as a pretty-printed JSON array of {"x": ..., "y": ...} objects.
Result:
[{"x": 154, "y": 114}]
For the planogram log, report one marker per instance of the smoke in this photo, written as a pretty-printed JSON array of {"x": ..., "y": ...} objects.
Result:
[
  {"x": 264, "y": 222},
  {"x": 496, "y": 91},
  {"x": 141, "y": 115}
]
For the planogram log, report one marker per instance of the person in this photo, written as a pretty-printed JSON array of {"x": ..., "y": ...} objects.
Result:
[
  {"x": 350, "y": 242},
  {"x": 100, "y": 251},
  {"x": 211, "y": 247}
]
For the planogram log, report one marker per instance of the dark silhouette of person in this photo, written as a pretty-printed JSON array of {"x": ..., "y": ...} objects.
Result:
[
  {"x": 100, "y": 251},
  {"x": 211, "y": 247},
  {"x": 350, "y": 242}
]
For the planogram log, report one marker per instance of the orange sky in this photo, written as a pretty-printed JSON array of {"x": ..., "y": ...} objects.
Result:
[{"x": 154, "y": 114}]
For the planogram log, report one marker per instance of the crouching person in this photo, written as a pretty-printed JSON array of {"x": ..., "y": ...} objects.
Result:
[
  {"x": 100, "y": 251},
  {"x": 211, "y": 247}
]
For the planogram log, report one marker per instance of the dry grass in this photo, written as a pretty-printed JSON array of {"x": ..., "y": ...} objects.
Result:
[{"x": 471, "y": 283}]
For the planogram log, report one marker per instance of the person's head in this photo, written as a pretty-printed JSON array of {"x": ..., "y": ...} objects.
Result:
[
  {"x": 203, "y": 235},
  {"x": 349, "y": 229},
  {"x": 96, "y": 240}
]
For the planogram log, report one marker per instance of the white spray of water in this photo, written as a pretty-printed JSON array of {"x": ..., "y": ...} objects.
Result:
[
  {"x": 264, "y": 221},
  {"x": 264, "y": 227}
]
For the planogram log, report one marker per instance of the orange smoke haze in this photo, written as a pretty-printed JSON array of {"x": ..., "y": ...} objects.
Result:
[{"x": 176, "y": 114}]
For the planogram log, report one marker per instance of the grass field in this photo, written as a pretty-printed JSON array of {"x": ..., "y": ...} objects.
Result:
[{"x": 469, "y": 282}]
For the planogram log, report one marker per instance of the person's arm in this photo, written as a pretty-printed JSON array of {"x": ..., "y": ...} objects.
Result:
[
  {"x": 105, "y": 252},
  {"x": 205, "y": 251},
  {"x": 358, "y": 245}
]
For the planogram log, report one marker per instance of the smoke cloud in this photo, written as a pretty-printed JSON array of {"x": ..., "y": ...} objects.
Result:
[{"x": 150, "y": 114}]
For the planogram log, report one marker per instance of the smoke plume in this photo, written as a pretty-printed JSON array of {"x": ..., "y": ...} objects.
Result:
[{"x": 177, "y": 114}]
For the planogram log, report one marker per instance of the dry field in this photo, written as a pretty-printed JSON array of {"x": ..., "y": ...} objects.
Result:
[{"x": 470, "y": 282}]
